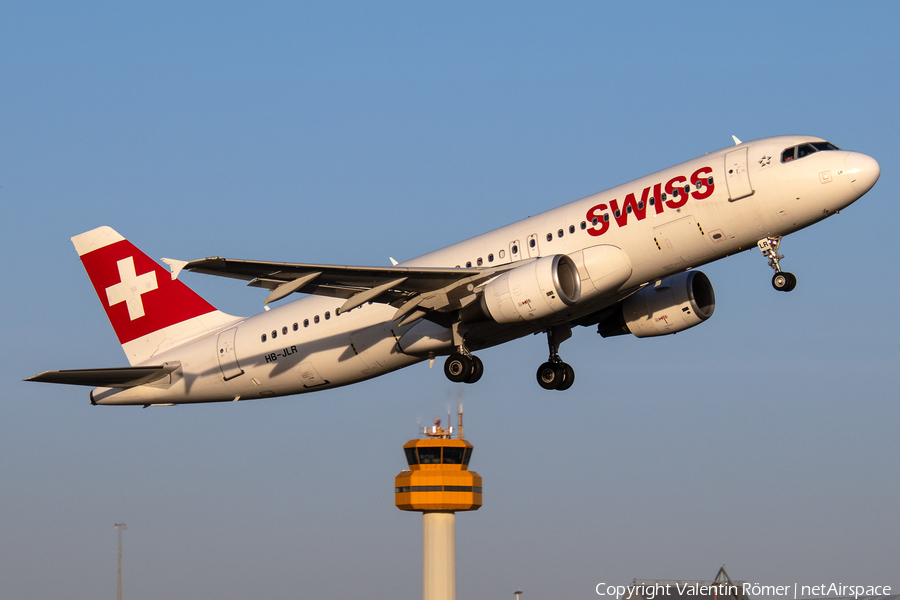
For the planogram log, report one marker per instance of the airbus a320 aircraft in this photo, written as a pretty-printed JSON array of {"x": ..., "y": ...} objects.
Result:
[{"x": 621, "y": 260}]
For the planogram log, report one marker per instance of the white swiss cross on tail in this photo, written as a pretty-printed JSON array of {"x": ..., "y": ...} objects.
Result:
[
  {"x": 131, "y": 287},
  {"x": 158, "y": 311}
]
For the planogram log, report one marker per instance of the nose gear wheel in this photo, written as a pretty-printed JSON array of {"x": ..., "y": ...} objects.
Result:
[{"x": 782, "y": 280}]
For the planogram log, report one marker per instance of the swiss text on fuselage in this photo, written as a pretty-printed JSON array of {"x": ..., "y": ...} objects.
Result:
[{"x": 675, "y": 194}]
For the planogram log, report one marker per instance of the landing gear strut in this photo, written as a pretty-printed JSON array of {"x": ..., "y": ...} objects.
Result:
[
  {"x": 462, "y": 366},
  {"x": 782, "y": 280},
  {"x": 555, "y": 374}
]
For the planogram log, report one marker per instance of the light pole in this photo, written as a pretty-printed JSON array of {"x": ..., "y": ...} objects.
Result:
[
  {"x": 518, "y": 593},
  {"x": 120, "y": 527}
]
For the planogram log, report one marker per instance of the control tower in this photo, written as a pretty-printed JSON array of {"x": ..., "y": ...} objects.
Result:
[{"x": 438, "y": 484}]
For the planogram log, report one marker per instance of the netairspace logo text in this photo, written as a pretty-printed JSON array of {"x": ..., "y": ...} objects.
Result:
[{"x": 650, "y": 591}]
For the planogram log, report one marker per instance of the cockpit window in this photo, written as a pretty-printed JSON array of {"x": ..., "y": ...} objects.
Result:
[{"x": 805, "y": 150}]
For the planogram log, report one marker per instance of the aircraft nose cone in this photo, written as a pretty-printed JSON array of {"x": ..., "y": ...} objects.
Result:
[{"x": 862, "y": 170}]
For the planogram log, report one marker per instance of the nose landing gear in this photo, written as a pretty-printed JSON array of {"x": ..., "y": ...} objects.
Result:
[
  {"x": 782, "y": 280},
  {"x": 555, "y": 374}
]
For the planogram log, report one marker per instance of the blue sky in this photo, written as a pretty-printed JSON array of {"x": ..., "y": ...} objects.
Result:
[{"x": 766, "y": 439}]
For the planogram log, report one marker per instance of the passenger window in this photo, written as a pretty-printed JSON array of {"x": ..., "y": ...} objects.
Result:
[
  {"x": 559, "y": 233},
  {"x": 532, "y": 242},
  {"x": 584, "y": 225},
  {"x": 502, "y": 254},
  {"x": 316, "y": 319},
  {"x": 263, "y": 337},
  {"x": 296, "y": 326},
  {"x": 274, "y": 334},
  {"x": 284, "y": 330},
  {"x": 469, "y": 264},
  {"x": 515, "y": 249},
  {"x": 571, "y": 229},
  {"x": 479, "y": 261},
  {"x": 327, "y": 315},
  {"x": 595, "y": 221},
  {"x": 549, "y": 237},
  {"x": 490, "y": 258},
  {"x": 306, "y": 322}
]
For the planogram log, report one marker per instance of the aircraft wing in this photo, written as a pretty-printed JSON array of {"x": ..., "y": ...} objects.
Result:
[
  {"x": 115, "y": 377},
  {"x": 415, "y": 290}
]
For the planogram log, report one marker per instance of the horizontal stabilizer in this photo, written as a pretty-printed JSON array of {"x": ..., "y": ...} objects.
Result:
[{"x": 116, "y": 377}]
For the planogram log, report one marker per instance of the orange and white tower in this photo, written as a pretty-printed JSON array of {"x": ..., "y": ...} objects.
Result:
[{"x": 438, "y": 484}]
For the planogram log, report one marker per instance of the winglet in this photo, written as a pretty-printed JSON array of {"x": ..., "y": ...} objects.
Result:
[
  {"x": 737, "y": 142},
  {"x": 393, "y": 262},
  {"x": 175, "y": 266}
]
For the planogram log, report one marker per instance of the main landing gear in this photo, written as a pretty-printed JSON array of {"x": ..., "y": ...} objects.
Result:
[
  {"x": 462, "y": 367},
  {"x": 782, "y": 280},
  {"x": 555, "y": 374}
]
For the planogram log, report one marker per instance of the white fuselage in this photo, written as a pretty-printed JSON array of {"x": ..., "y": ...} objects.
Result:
[{"x": 737, "y": 196}]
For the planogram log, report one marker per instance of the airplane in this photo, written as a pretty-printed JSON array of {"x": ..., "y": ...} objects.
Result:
[{"x": 623, "y": 260}]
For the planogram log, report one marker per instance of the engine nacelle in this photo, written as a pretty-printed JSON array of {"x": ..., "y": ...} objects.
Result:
[
  {"x": 534, "y": 290},
  {"x": 674, "y": 304}
]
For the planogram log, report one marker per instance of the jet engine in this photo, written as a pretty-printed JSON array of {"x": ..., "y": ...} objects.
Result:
[
  {"x": 534, "y": 290},
  {"x": 674, "y": 304}
]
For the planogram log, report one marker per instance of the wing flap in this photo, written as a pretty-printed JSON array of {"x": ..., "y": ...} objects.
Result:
[
  {"x": 429, "y": 288},
  {"x": 417, "y": 279},
  {"x": 114, "y": 377}
]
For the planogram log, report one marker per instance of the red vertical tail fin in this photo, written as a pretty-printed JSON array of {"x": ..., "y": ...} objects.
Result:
[{"x": 149, "y": 311}]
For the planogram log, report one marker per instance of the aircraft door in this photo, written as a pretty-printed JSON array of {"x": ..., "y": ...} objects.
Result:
[
  {"x": 515, "y": 251},
  {"x": 736, "y": 175},
  {"x": 533, "y": 250},
  {"x": 228, "y": 361}
]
